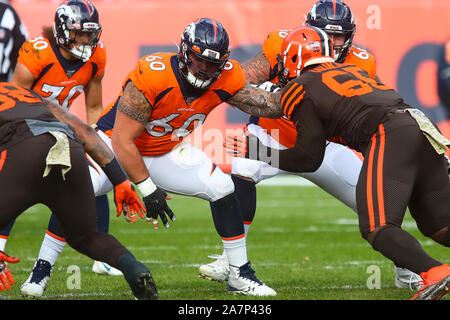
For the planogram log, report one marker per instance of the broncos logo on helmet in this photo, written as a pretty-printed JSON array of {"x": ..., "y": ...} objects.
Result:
[
  {"x": 203, "y": 53},
  {"x": 334, "y": 17},
  {"x": 75, "y": 17}
]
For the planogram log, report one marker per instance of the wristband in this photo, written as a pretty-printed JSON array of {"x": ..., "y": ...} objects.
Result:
[
  {"x": 114, "y": 172},
  {"x": 146, "y": 187}
]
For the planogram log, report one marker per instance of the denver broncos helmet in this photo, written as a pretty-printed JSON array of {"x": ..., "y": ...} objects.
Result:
[
  {"x": 74, "y": 17},
  {"x": 203, "y": 53},
  {"x": 303, "y": 47},
  {"x": 334, "y": 17}
]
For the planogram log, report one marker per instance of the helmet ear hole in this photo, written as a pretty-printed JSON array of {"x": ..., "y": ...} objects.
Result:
[{"x": 294, "y": 59}]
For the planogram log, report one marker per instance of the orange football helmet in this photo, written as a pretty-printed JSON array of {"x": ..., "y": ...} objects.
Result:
[{"x": 303, "y": 47}]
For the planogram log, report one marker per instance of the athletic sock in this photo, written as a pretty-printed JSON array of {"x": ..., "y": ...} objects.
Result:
[
  {"x": 236, "y": 251},
  {"x": 403, "y": 249},
  {"x": 50, "y": 249},
  {"x": 3, "y": 241}
]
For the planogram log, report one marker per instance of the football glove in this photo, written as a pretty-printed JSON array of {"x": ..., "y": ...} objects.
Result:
[
  {"x": 269, "y": 86},
  {"x": 6, "y": 277},
  {"x": 127, "y": 200},
  {"x": 156, "y": 205},
  {"x": 246, "y": 146}
]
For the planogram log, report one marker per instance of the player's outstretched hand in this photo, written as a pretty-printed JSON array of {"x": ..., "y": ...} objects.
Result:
[
  {"x": 245, "y": 146},
  {"x": 156, "y": 205},
  {"x": 127, "y": 200},
  {"x": 6, "y": 278}
]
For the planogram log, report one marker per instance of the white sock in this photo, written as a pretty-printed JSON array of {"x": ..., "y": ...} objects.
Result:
[
  {"x": 50, "y": 249},
  {"x": 236, "y": 251},
  {"x": 3, "y": 243},
  {"x": 246, "y": 227}
]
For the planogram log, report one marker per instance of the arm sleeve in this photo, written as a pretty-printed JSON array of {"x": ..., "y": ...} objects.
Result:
[{"x": 308, "y": 152}]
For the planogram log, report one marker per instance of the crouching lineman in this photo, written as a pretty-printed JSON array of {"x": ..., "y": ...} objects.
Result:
[
  {"x": 162, "y": 100},
  {"x": 42, "y": 160},
  {"x": 339, "y": 171},
  {"x": 404, "y": 164}
]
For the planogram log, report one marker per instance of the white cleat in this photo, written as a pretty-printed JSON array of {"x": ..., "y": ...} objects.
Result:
[
  {"x": 242, "y": 280},
  {"x": 104, "y": 268},
  {"x": 406, "y": 279},
  {"x": 37, "y": 282},
  {"x": 217, "y": 270}
]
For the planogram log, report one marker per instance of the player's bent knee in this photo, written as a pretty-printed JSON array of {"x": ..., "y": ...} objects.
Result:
[
  {"x": 247, "y": 168},
  {"x": 442, "y": 236},
  {"x": 220, "y": 185},
  {"x": 371, "y": 236}
]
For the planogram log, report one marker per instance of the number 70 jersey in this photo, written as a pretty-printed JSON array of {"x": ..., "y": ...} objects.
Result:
[
  {"x": 56, "y": 79},
  {"x": 176, "y": 112}
]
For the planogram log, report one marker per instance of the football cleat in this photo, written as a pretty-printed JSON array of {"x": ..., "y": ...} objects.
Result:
[
  {"x": 406, "y": 279},
  {"x": 217, "y": 270},
  {"x": 104, "y": 268},
  {"x": 146, "y": 287},
  {"x": 37, "y": 282},
  {"x": 436, "y": 283},
  {"x": 242, "y": 280}
]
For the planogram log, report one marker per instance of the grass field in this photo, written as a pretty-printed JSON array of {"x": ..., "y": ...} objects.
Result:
[{"x": 303, "y": 243}]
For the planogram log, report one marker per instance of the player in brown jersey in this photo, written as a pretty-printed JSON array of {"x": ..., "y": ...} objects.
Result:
[
  {"x": 339, "y": 171},
  {"x": 404, "y": 164},
  {"x": 67, "y": 60},
  {"x": 42, "y": 160}
]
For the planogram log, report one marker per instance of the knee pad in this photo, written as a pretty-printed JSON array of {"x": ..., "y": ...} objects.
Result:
[{"x": 220, "y": 185}]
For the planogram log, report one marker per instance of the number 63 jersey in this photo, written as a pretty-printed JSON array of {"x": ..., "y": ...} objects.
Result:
[
  {"x": 349, "y": 103},
  {"x": 176, "y": 112}
]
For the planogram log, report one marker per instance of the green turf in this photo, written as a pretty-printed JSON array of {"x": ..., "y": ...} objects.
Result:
[{"x": 303, "y": 243}]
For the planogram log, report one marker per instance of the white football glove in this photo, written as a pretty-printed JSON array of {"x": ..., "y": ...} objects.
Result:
[{"x": 269, "y": 86}]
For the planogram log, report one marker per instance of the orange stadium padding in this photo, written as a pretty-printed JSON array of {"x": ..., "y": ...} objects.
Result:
[{"x": 403, "y": 35}]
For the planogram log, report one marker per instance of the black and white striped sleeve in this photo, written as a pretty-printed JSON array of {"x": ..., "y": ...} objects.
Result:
[{"x": 12, "y": 35}]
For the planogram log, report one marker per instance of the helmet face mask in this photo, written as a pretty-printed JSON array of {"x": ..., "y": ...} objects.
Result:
[
  {"x": 77, "y": 29},
  {"x": 203, "y": 53},
  {"x": 334, "y": 17},
  {"x": 303, "y": 47}
]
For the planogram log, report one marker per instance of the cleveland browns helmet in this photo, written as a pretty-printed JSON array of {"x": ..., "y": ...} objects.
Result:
[
  {"x": 203, "y": 53},
  {"x": 80, "y": 17},
  {"x": 303, "y": 47},
  {"x": 334, "y": 17}
]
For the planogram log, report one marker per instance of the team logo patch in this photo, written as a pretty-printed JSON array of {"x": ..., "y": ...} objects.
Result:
[{"x": 315, "y": 46}]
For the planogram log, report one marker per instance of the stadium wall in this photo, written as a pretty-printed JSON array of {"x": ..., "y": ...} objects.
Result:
[{"x": 404, "y": 36}]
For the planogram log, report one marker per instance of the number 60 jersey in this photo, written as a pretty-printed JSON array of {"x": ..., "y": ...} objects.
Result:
[{"x": 175, "y": 110}]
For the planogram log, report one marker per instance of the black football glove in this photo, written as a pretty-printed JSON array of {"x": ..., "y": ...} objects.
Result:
[{"x": 156, "y": 205}]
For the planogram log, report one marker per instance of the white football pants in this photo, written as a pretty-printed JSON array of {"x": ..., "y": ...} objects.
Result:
[
  {"x": 185, "y": 170},
  {"x": 337, "y": 175}
]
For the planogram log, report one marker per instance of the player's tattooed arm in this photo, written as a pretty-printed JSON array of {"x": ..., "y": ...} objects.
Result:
[
  {"x": 257, "y": 69},
  {"x": 134, "y": 105},
  {"x": 93, "y": 144},
  {"x": 257, "y": 102}
]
